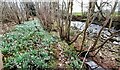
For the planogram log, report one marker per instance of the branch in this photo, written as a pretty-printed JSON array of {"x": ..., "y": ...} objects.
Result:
[
  {"x": 75, "y": 38},
  {"x": 86, "y": 27},
  {"x": 100, "y": 10},
  {"x": 101, "y": 46},
  {"x": 105, "y": 23}
]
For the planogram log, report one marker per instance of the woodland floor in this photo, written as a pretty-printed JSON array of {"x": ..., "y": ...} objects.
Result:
[{"x": 108, "y": 57}]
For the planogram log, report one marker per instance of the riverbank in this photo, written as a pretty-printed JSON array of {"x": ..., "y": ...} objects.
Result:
[
  {"x": 28, "y": 46},
  {"x": 108, "y": 57},
  {"x": 82, "y": 18},
  {"x": 63, "y": 54}
]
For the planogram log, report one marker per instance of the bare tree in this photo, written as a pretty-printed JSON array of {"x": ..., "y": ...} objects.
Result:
[{"x": 88, "y": 22}]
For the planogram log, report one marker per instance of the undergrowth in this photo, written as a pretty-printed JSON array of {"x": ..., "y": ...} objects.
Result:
[{"x": 28, "y": 47}]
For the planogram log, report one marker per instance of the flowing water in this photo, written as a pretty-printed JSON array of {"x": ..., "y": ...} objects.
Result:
[{"x": 93, "y": 30}]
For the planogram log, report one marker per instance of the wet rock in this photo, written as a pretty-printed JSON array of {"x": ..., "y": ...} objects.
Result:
[
  {"x": 116, "y": 43},
  {"x": 94, "y": 66},
  {"x": 83, "y": 54},
  {"x": 116, "y": 39},
  {"x": 117, "y": 26},
  {"x": 93, "y": 35}
]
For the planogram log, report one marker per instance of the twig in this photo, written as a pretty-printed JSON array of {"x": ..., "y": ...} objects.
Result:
[
  {"x": 86, "y": 27},
  {"x": 85, "y": 57},
  {"x": 105, "y": 23},
  {"x": 100, "y": 46}
]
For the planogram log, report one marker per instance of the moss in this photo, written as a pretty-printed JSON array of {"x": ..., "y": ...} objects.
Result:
[{"x": 77, "y": 14}]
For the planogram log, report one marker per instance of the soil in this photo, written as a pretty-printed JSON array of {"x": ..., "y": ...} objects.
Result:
[
  {"x": 6, "y": 27},
  {"x": 108, "y": 57},
  {"x": 3, "y": 29}
]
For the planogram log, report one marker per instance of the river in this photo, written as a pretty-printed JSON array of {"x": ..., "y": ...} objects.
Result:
[{"x": 93, "y": 30}]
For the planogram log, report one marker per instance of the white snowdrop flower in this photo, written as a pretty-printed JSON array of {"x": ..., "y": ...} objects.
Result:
[
  {"x": 59, "y": 59},
  {"x": 60, "y": 64},
  {"x": 18, "y": 66},
  {"x": 31, "y": 56},
  {"x": 51, "y": 52},
  {"x": 45, "y": 47},
  {"x": 66, "y": 62}
]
